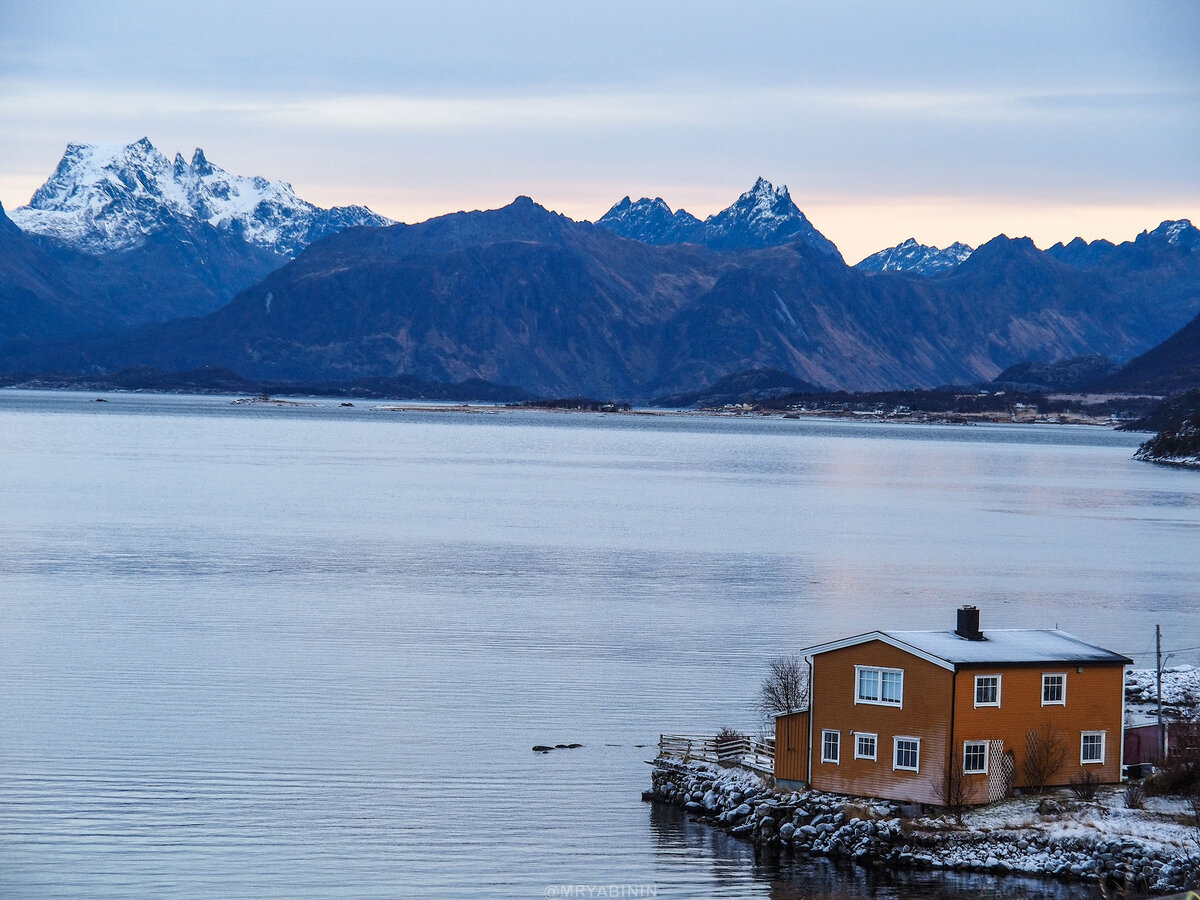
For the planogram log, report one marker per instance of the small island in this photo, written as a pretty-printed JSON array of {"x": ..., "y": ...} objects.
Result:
[{"x": 1177, "y": 442}]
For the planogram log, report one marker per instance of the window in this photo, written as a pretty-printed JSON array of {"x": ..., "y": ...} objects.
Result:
[
  {"x": 1091, "y": 747},
  {"x": 884, "y": 687},
  {"x": 1054, "y": 690},
  {"x": 865, "y": 746},
  {"x": 831, "y": 746},
  {"x": 907, "y": 754},
  {"x": 975, "y": 757},
  {"x": 987, "y": 690}
]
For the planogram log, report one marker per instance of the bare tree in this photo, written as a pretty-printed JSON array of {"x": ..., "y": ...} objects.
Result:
[
  {"x": 953, "y": 792},
  {"x": 785, "y": 687},
  {"x": 1045, "y": 755}
]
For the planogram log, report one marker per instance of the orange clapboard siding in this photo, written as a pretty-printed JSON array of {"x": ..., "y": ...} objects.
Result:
[
  {"x": 791, "y": 747},
  {"x": 924, "y": 714},
  {"x": 1093, "y": 703}
]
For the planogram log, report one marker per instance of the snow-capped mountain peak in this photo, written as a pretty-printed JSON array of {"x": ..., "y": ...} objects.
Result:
[
  {"x": 763, "y": 216},
  {"x": 922, "y": 259},
  {"x": 110, "y": 197}
]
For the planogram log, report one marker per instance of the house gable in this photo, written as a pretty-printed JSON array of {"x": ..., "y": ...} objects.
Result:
[{"x": 880, "y": 767}]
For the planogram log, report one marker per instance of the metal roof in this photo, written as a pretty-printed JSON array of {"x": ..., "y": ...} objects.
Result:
[{"x": 998, "y": 647}]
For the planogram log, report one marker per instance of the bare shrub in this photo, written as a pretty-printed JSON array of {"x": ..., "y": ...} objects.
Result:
[
  {"x": 1086, "y": 785},
  {"x": 1135, "y": 796},
  {"x": 952, "y": 793},
  {"x": 728, "y": 735},
  {"x": 1179, "y": 773},
  {"x": 785, "y": 687},
  {"x": 1045, "y": 755}
]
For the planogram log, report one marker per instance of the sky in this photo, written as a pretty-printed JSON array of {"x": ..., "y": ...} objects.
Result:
[{"x": 887, "y": 120}]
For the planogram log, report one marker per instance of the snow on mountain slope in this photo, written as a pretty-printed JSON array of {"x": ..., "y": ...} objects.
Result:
[
  {"x": 649, "y": 221},
  {"x": 909, "y": 256},
  {"x": 764, "y": 216},
  {"x": 107, "y": 197},
  {"x": 1178, "y": 233}
]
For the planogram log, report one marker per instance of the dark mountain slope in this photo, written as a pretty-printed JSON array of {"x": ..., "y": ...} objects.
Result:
[
  {"x": 792, "y": 309},
  {"x": 1076, "y": 374},
  {"x": 1170, "y": 368},
  {"x": 518, "y": 295},
  {"x": 526, "y": 297},
  {"x": 38, "y": 300}
]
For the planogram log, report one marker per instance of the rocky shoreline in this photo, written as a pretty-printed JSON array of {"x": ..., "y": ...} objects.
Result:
[{"x": 1053, "y": 837}]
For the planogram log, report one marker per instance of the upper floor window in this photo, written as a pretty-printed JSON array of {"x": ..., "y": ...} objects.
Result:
[
  {"x": 906, "y": 753},
  {"x": 987, "y": 690},
  {"x": 1091, "y": 747},
  {"x": 882, "y": 686},
  {"x": 1054, "y": 689},
  {"x": 831, "y": 746}
]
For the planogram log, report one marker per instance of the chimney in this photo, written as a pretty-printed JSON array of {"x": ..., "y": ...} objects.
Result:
[{"x": 968, "y": 623}]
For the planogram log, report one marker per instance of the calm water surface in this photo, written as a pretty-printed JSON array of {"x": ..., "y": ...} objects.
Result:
[{"x": 305, "y": 651}]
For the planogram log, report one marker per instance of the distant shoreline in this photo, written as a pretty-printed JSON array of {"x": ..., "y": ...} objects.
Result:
[{"x": 1022, "y": 416}]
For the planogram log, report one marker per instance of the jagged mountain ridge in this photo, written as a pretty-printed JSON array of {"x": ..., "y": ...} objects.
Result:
[
  {"x": 109, "y": 197},
  {"x": 764, "y": 216},
  {"x": 650, "y": 221},
  {"x": 524, "y": 296},
  {"x": 910, "y": 256}
]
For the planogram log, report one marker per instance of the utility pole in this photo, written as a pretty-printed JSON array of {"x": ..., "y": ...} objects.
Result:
[{"x": 1162, "y": 750}]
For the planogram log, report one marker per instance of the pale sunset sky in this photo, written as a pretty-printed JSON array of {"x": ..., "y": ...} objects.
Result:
[{"x": 940, "y": 121}]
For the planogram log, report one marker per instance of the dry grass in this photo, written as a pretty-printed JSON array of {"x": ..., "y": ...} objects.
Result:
[{"x": 859, "y": 811}]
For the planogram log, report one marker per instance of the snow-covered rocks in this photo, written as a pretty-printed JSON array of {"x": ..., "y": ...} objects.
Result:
[
  {"x": 1138, "y": 849},
  {"x": 1180, "y": 690},
  {"x": 110, "y": 197}
]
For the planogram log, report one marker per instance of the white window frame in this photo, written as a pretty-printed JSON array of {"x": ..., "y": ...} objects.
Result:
[
  {"x": 836, "y": 760},
  {"x": 984, "y": 745},
  {"x": 1083, "y": 735},
  {"x": 879, "y": 701},
  {"x": 1063, "y": 700},
  {"x": 977, "y": 679},
  {"x": 859, "y": 735},
  {"x": 896, "y": 749}
]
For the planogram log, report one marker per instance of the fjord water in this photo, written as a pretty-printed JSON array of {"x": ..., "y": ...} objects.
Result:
[{"x": 305, "y": 651}]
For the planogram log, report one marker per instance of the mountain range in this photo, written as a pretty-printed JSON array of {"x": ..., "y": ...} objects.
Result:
[{"x": 644, "y": 302}]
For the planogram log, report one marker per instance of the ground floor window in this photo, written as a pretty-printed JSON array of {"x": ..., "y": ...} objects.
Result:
[
  {"x": 907, "y": 753},
  {"x": 831, "y": 746},
  {"x": 865, "y": 746},
  {"x": 975, "y": 757},
  {"x": 1091, "y": 747}
]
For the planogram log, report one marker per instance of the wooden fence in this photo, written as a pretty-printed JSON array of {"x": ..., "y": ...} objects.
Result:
[{"x": 743, "y": 751}]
